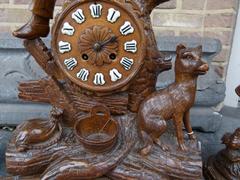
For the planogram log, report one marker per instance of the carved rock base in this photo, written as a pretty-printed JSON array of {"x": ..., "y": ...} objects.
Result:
[{"x": 68, "y": 159}]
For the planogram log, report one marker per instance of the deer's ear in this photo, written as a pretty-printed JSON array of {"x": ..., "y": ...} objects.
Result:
[{"x": 180, "y": 47}]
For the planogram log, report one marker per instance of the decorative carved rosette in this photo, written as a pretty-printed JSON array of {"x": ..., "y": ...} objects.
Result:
[{"x": 94, "y": 47}]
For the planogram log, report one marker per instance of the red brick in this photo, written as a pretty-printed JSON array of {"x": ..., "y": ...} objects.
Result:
[
  {"x": 5, "y": 29},
  {"x": 220, "y": 20},
  {"x": 224, "y": 36},
  {"x": 22, "y": 1},
  {"x": 177, "y": 20},
  {"x": 190, "y": 34},
  {"x": 223, "y": 56},
  {"x": 4, "y": 1},
  {"x": 58, "y": 2},
  {"x": 14, "y": 15},
  {"x": 222, "y": 4},
  {"x": 193, "y": 5},
  {"x": 220, "y": 70},
  {"x": 164, "y": 32}
]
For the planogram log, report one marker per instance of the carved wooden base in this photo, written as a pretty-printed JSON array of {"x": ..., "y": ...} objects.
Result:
[
  {"x": 68, "y": 159},
  {"x": 160, "y": 164}
]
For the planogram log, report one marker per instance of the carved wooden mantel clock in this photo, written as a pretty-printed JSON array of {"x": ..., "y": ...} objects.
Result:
[
  {"x": 101, "y": 45},
  {"x": 103, "y": 64}
]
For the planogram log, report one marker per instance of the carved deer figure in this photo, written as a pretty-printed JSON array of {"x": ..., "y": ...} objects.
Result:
[{"x": 173, "y": 102}]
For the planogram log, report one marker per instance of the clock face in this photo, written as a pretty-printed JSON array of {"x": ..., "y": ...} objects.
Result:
[{"x": 99, "y": 45}]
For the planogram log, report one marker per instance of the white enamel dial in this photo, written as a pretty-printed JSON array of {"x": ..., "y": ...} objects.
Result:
[
  {"x": 96, "y": 10},
  {"x": 126, "y": 63},
  {"x": 64, "y": 47},
  {"x": 67, "y": 29},
  {"x": 126, "y": 28},
  {"x": 70, "y": 63},
  {"x": 113, "y": 15},
  {"x": 78, "y": 16},
  {"x": 115, "y": 75},
  {"x": 131, "y": 46}
]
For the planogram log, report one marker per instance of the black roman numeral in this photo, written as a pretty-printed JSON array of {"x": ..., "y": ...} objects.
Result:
[
  {"x": 79, "y": 15},
  {"x": 64, "y": 47},
  {"x": 70, "y": 63},
  {"x": 131, "y": 47},
  {"x": 126, "y": 63},
  {"x": 83, "y": 74},
  {"x": 99, "y": 79},
  {"x": 96, "y": 10},
  {"x": 126, "y": 29},
  {"x": 114, "y": 12}
]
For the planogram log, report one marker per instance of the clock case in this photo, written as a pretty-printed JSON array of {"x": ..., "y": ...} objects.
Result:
[{"x": 119, "y": 101}]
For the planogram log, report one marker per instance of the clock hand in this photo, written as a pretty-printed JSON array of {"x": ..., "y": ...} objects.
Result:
[
  {"x": 99, "y": 45},
  {"x": 110, "y": 40}
]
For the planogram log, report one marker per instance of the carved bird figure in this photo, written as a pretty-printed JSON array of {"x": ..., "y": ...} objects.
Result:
[{"x": 37, "y": 130}]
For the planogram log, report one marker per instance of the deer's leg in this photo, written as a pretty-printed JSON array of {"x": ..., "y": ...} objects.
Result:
[
  {"x": 178, "y": 121},
  {"x": 187, "y": 124},
  {"x": 160, "y": 128},
  {"x": 148, "y": 143}
]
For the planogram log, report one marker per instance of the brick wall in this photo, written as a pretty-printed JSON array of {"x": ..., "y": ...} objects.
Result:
[{"x": 198, "y": 18}]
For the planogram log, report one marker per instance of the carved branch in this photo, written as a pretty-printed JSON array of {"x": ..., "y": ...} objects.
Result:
[
  {"x": 50, "y": 91},
  {"x": 43, "y": 57},
  {"x": 33, "y": 91}
]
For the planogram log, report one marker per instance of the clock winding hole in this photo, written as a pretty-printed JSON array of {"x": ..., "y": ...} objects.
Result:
[
  {"x": 85, "y": 57},
  {"x": 112, "y": 56}
]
